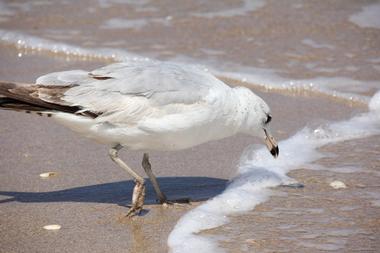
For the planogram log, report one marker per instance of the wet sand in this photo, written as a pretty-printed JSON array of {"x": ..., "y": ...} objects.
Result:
[
  {"x": 317, "y": 218},
  {"x": 89, "y": 195}
]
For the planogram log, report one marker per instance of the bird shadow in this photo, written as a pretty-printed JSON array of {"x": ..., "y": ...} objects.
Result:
[{"x": 195, "y": 188}]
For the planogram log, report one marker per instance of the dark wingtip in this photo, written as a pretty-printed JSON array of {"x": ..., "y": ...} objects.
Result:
[{"x": 275, "y": 152}]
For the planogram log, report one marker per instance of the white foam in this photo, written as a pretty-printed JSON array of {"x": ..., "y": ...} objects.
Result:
[
  {"x": 315, "y": 44},
  {"x": 343, "y": 88},
  {"x": 112, "y": 3},
  {"x": 258, "y": 171},
  {"x": 119, "y": 23},
  {"x": 17, "y": 8},
  {"x": 136, "y": 24},
  {"x": 246, "y": 7},
  {"x": 368, "y": 17},
  {"x": 337, "y": 87},
  {"x": 34, "y": 43}
]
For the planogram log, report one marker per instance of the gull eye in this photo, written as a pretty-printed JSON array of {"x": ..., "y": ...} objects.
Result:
[{"x": 269, "y": 118}]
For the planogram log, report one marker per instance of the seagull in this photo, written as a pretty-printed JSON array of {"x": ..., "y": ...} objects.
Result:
[{"x": 143, "y": 105}]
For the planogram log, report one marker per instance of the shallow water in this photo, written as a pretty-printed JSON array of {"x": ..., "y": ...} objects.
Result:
[
  {"x": 304, "y": 49},
  {"x": 271, "y": 43}
]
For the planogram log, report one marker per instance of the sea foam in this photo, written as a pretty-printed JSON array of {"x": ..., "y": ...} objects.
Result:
[
  {"x": 343, "y": 88},
  {"x": 34, "y": 43},
  {"x": 368, "y": 17},
  {"x": 245, "y": 7},
  {"x": 258, "y": 171}
]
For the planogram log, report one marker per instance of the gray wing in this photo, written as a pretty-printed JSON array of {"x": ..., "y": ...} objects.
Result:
[
  {"x": 130, "y": 87},
  {"x": 161, "y": 82}
]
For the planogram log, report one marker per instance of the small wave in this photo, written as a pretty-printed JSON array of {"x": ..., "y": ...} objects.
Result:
[
  {"x": 246, "y": 7},
  {"x": 314, "y": 44},
  {"x": 136, "y": 24},
  {"x": 34, "y": 43},
  {"x": 346, "y": 90},
  {"x": 368, "y": 17},
  {"x": 327, "y": 86},
  {"x": 258, "y": 171},
  {"x": 256, "y": 77}
]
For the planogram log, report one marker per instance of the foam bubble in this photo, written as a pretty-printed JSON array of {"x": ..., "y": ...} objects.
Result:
[
  {"x": 368, "y": 17},
  {"x": 246, "y": 7},
  {"x": 315, "y": 44},
  {"x": 258, "y": 171}
]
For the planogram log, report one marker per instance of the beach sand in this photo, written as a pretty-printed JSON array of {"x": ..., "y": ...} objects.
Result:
[{"x": 89, "y": 195}]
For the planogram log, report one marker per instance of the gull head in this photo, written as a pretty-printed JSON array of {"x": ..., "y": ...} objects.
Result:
[{"x": 255, "y": 118}]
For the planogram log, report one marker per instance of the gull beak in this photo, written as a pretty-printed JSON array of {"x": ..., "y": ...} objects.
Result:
[{"x": 271, "y": 144}]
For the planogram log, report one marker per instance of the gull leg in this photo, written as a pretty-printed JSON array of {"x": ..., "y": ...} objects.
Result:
[
  {"x": 161, "y": 196},
  {"x": 138, "y": 195},
  {"x": 148, "y": 170}
]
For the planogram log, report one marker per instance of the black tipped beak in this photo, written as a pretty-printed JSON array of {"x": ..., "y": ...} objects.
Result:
[
  {"x": 271, "y": 144},
  {"x": 274, "y": 151}
]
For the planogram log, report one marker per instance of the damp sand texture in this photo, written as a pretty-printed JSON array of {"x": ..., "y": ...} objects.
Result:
[{"x": 315, "y": 63}]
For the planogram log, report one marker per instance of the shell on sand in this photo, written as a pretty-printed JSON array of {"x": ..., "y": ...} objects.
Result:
[
  {"x": 52, "y": 227},
  {"x": 48, "y": 174},
  {"x": 338, "y": 184}
]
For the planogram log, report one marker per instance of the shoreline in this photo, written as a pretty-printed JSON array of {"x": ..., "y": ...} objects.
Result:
[{"x": 89, "y": 195}]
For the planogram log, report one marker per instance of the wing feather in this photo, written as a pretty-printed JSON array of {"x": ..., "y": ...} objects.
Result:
[{"x": 129, "y": 91}]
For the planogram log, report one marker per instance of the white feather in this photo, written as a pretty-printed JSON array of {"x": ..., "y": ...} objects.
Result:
[{"x": 156, "y": 105}]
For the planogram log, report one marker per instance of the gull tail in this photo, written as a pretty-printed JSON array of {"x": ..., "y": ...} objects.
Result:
[
  {"x": 25, "y": 98},
  {"x": 17, "y": 105},
  {"x": 11, "y": 98}
]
